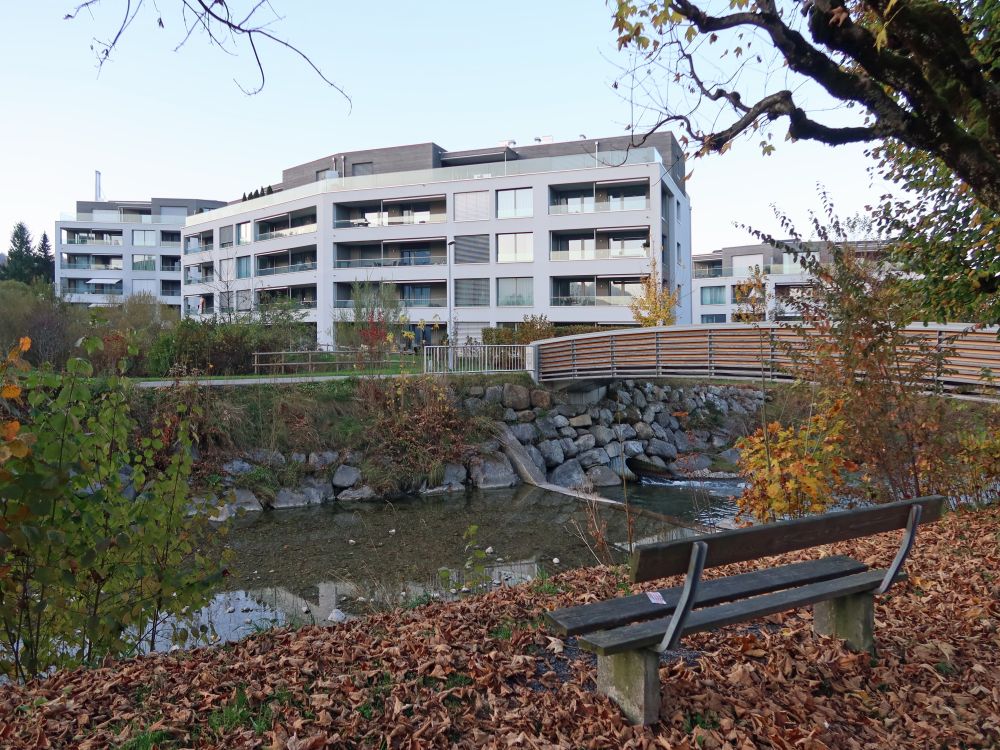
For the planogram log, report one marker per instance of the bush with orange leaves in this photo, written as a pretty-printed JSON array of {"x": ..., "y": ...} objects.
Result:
[
  {"x": 12, "y": 443},
  {"x": 794, "y": 471}
]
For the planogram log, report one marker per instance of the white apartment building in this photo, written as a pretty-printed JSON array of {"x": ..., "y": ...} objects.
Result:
[
  {"x": 466, "y": 239},
  {"x": 108, "y": 250}
]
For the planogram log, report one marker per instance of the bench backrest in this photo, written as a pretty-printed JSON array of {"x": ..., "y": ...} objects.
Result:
[{"x": 653, "y": 561}]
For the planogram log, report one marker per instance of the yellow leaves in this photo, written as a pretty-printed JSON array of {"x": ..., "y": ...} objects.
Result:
[
  {"x": 24, "y": 344},
  {"x": 10, "y": 391},
  {"x": 9, "y": 430}
]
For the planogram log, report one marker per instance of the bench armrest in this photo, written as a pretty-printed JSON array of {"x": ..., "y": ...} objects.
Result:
[
  {"x": 909, "y": 535},
  {"x": 676, "y": 628}
]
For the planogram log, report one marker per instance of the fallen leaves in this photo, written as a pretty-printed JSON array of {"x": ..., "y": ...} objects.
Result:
[{"x": 436, "y": 677}]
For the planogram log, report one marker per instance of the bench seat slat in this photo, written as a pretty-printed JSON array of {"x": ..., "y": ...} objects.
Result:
[
  {"x": 649, "y": 633},
  {"x": 626, "y": 609}
]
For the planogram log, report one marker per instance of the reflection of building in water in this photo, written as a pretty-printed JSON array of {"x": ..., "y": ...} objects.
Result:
[{"x": 666, "y": 534}]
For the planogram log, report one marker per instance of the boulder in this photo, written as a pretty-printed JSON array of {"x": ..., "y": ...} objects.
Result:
[
  {"x": 552, "y": 453},
  {"x": 593, "y": 457},
  {"x": 569, "y": 474},
  {"x": 638, "y": 399},
  {"x": 526, "y": 415},
  {"x": 661, "y": 432},
  {"x": 473, "y": 405},
  {"x": 475, "y": 391},
  {"x": 492, "y": 472},
  {"x": 567, "y": 432},
  {"x": 516, "y": 397},
  {"x": 525, "y": 432},
  {"x": 624, "y": 432},
  {"x": 244, "y": 499},
  {"x": 509, "y": 415},
  {"x": 297, "y": 458},
  {"x": 661, "y": 448},
  {"x": 493, "y": 394},
  {"x": 602, "y": 435},
  {"x": 681, "y": 441},
  {"x": 236, "y": 467},
  {"x": 603, "y": 476},
  {"x": 631, "y": 448},
  {"x": 452, "y": 481},
  {"x": 361, "y": 493},
  {"x": 266, "y": 457},
  {"x": 732, "y": 455},
  {"x": 322, "y": 459},
  {"x": 345, "y": 476},
  {"x": 547, "y": 427},
  {"x": 569, "y": 447},
  {"x": 613, "y": 449},
  {"x": 581, "y": 420},
  {"x": 537, "y": 459},
  {"x": 585, "y": 442},
  {"x": 643, "y": 431},
  {"x": 560, "y": 421},
  {"x": 693, "y": 462},
  {"x": 541, "y": 399}
]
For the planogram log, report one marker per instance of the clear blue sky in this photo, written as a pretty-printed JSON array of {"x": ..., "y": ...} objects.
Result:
[{"x": 462, "y": 74}]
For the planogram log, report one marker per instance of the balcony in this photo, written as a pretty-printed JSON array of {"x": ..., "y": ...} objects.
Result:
[
  {"x": 291, "y": 224},
  {"x": 170, "y": 243},
  {"x": 99, "y": 287},
  {"x": 290, "y": 268},
  {"x": 392, "y": 254},
  {"x": 391, "y": 213},
  {"x": 595, "y": 197},
  {"x": 286, "y": 232},
  {"x": 111, "y": 216},
  {"x": 593, "y": 291},
  {"x": 170, "y": 292},
  {"x": 170, "y": 267},
  {"x": 602, "y": 244},
  {"x": 83, "y": 265},
  {"x": 718, "y": 272},
  {"x": 592, "y": 301},
  {"x": 293, "y": 298}
]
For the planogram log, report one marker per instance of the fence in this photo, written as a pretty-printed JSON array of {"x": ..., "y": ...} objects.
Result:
[
  {"x": 478, "y": 358},
  {"x": 971, "y": 363},
  {"x": 343, "y": 361}
]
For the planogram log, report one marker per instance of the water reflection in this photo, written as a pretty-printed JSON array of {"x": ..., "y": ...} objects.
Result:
[{"x": 299, "y": 566}]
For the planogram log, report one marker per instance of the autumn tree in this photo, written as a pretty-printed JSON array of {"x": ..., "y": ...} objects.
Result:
[{"x": 656, "y": 305}]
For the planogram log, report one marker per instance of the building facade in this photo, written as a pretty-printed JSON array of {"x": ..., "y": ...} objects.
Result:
[
  {"x": 718, "y": 277},
  {"x": 108, "y": 250},
  {"x": 466, "y": 239}
]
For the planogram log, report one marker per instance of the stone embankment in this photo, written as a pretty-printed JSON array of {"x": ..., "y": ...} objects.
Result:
[{"x": 571, "y": 442}]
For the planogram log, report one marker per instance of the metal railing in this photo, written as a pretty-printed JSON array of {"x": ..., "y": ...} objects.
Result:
[
  {"x": 476, "y": 358},
  {"x": 199, "y": 248},
  {"x": 291, "y": 268},
  {"x": 433, "y": 260},
  {"x": 384, "y": 220},
  {"x": 598, "y": 207},
  {"x": 592, "y": 301},
  {"x": 286, "y": 232},
  {"x": 605, "y": 253},
  {"x": 332, "y": 360}
]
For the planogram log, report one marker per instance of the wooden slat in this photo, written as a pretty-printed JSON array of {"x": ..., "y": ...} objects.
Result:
[
  {"x": 659, "y": 560},
  {"x": 614, "y": 612},
  {"x": 649, "y": 633}
]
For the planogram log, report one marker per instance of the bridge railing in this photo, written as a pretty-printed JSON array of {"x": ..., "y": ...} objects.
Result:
[
  {"x": 478, "y": 358},
  {"x": 970, "y": 361}
]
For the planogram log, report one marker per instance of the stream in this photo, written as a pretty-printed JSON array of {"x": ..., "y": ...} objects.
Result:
[{"x": 298, "y": 566}]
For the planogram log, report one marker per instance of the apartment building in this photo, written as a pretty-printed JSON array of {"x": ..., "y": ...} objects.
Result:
[
  {"x": 465, "y": 239},
  {"x": 108, "y": 250},
  {"x": 718, "y": 278}
]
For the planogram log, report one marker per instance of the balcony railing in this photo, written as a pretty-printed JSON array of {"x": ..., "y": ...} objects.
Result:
[
  {"x": 205, "y": 278},
  {"x": 433, "y": 260},
  {"x": 574, "y": 300},
  {"x": 294, "y": 304},
  {"x": 144, "y": 265},
  {"x": 170, "y": 292},
  {"x": 171, "y": 267},
  {"x": 199, "y": 248},
  {"x": 85, "y": 266},
  {"x": 432, "y": 302},
  {"x": 598, "y": 207},
  {"x": 107, "y": 242},
  {"x": 170, "y": 243},
  {"x": 97, "y": 289},
  {"x": 291, "y": 268},
  {"x": 598, "y": 254},
  {"x": 122, "y": 218},
  {"x": 286, "y": 232},
  {"x": 720, "y": 273},
  {"x": 384, "y": 220}
]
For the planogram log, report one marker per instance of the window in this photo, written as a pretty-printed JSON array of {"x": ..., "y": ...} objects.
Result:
[
  {"x": 713, "y": 295},
  {"x": 244, "y": 233},
  {"x": 415, "y": 256},
  {"x": 472, "y": 206},
  {"x": 515, "y": 248},
  {"x": 243, "y": 267},
  {"x": 628, "y": 245},
  {"x": 472, "y": 292},
  {"x": 714, "y": 318},
  {"x": 415, "y": 296},
  {"x": 144, "y": 286},
  {"x": 143, "y": 262},
  {"x": 170, "y": 239},
  {"x": 472, "y": 248},
  {"x": 514, "y": 203},
  {"x": 144, "y": 238},
  {"x": 515, "y": 292},
  {"x": 362, "y": 168},
  {"x": 627, "y": 197},
  {"x": 679, "y": 254},
  {"x": 226, "y": 236}
]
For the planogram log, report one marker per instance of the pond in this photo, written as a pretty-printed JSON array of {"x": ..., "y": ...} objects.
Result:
[{"x": 298, "y": 566}]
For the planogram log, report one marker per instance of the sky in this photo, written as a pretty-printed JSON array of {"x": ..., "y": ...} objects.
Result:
[{"x": 157, "y": 121}]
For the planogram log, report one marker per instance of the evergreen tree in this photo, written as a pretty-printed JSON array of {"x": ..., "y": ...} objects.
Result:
[
  {"x": 21, "y": 257},
  {"x": 45, "y": 262}
]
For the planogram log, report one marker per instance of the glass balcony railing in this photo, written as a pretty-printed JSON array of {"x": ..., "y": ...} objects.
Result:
[
  {"x": 385, "y": 220},
  {"x": 599, "y": 207},
  {"x": 170, "y": 243},
  {"x": 607, "y": 253},
  {"x": 205, "y": 278},
  {"x": 171, "y": 267},
  {"x": 113, "y": 217},
  {"x": 144, "y": 265},
  {"x": 294, "y": 304},
  {"x": 292, "y": 268},
  {"x": 106, "y": 241},
  {"x": 170, "y": 292},
  {"x": 433, "y": 260},
  {"x": 574, "y": 300},
  {"x": 82, "y": 265},
  {"x": 716, "y": 272},
  {"x": 342, "y": 304},
  {"x": 100, "y": 290},
  {"x": 424, "y": 302},
  {"x": 514, "y": 300},
  {"x": 198, "y": 248},
  {"x": 286, "y": 232}
]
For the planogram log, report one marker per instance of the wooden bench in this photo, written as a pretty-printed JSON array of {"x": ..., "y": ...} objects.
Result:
[{"x": 629, "y": 633}]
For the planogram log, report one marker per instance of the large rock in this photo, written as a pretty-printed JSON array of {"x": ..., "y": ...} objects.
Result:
[
  {"x": 547, "y": 427},
  {"x": 693, "y": 462},
  {"x": 603, "y": 435},
  {"x": 581, "y": 420},
  {"x": 661, "y": 432},
  {"x": 732, "y": 455},
  {"x": 492, "y": 472},
  {"x": 345, "y": 476},
  {"x": 452, "y": 481},
  {"x": 662, "y": 448},
  {"x": 569, "y": 474},
  {"x": 309, "y": 492},
  {"x": 560, "y": 421},
  {"x": 322, "y": 459},
  {"x": 493, "y": 394},
  {"x": 681, "y": 441},
  {"x": 585, "y": 442},
  {"x": 643, "y": 431},
  {"x": 237, "y": 467},
  {"x": 593, "y": 457},
  {"x": 516, "y": 397},
  {"x": 525, "y": 432},
  {"x": 361, "y": 493},
  {"x": 632, "y": 448},
  {"x": 538, "y": 459},
  {"x": 541, "y": 399},
  {"x": 247, "y": 500},
  {"x": 624, "y": 432},
  {"x": 613, "y": 449},
  {"x": 552, "y": 453},
  {"x": 603, "y": 476},
  {"x": 527, "y": 415},
  {"x": 569, "y": 447},
  {"x": 266, "y": 457}
]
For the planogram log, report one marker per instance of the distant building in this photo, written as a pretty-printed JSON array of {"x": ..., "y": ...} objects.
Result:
[
  {"x": 466, "y": 239},
  {"x": 718, "y": 276},
  {"x": 108, "y": 250}
]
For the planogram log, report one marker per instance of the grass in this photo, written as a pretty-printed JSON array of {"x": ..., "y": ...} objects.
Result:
[
  {"x": 146, "y": 741},
  {"x": 502, "y": 633},
  {"x": 240, "y": 713}
]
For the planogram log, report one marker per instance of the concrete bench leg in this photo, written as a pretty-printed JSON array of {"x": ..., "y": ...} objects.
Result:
[
  {"x": 632, "y": 680},
  {"x": 851, "y": 618}
]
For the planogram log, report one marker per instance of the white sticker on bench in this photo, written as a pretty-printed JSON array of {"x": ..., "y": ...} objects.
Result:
[{"x": 655, "y": 597}]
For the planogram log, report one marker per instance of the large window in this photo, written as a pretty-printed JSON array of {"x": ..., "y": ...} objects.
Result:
[
  {"x": 515, "y": 248},
  {"x": 226, "y": 236},
  {"x": 143, "y": 262},
  {"x": 515, "y": 292},
  {"x": 514, "y": 203},
  {"x": 472, "y": 206},
  {"x": 243, "y": 267},
  {"x": 626, "y": 197},
  {"x": 144, "y": 238},
  {"x": 472, "y": 248},
  {"x": 244, "y": 233},
  {"x": 714, "y": 318},
  {"x": 472, "y": 292},
  {"x": 362, "y": 168},
  {"x": 413, "y": 295},
  {"x": 713, "y": 295}
]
